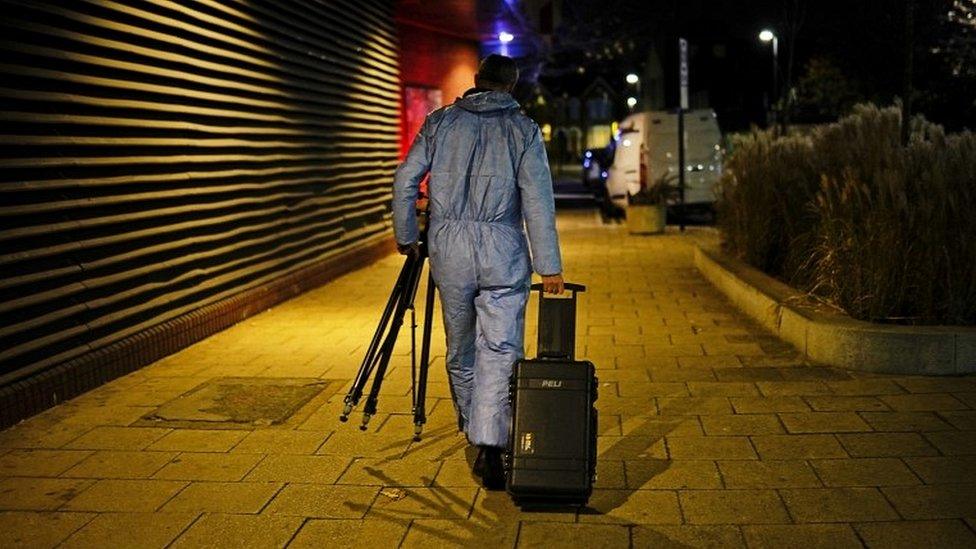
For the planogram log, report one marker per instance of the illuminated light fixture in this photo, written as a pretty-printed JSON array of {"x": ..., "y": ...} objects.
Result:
[
  {"x": 767, "y": 35},
  {"x": 604, "y": 175},
  {"x": 631, "y": 101},
  {"x": 589, "y": 154},
  {"x": 627, "y": 143},
  {"x": 505, "y": 37},
  {"x": 632, "y": 78}
]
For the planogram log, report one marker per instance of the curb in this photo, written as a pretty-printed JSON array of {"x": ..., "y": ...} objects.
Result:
[{"x": 833, "y": 338}]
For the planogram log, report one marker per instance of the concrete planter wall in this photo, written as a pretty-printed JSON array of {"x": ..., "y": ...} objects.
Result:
[
  {"x": 646, "y": 219},
  {"x": 837, "y": 339}
]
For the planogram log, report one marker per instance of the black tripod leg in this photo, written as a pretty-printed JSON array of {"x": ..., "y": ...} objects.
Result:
[
  {"x": 420, "y": 412},
  {"x": 362, "y": 377},
  {"x": 386, "y": 351}
]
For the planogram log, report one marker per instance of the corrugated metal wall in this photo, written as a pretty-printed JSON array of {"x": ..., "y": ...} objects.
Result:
[{"x": 159, "y": 156}]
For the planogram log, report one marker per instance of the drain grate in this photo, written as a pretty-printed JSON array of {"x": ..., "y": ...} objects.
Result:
[{"x": 234, "y": 402}]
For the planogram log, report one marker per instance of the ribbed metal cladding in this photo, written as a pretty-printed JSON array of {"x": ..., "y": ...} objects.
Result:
[{"x": 159, "y": 156}]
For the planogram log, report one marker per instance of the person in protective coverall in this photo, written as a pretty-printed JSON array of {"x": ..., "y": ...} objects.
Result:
[{"x": 488, "y": 174}]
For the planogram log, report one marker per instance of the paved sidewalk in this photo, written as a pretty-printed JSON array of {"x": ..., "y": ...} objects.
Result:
[{"x": 712, "y": 434}]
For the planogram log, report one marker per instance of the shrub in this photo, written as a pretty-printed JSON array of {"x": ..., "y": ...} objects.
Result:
[{"x": 885, "y": 231}]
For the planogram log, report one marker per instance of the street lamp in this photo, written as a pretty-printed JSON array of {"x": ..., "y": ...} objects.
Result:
[
  {"x": 632, "y": 78},
  {"x": 631, "y": 102},
  {"x": 769, "y": 36},
  {"x": 505, "y": 37}
]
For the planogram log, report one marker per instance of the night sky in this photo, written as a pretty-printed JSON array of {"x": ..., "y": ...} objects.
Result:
[{"x": 864, "y": 39}]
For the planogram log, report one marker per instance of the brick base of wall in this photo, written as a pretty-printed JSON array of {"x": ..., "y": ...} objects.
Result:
[{"x": 24, "y": 398}]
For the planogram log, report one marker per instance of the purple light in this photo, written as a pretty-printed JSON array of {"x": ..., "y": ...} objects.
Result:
[{"x": 505, "y": 37}]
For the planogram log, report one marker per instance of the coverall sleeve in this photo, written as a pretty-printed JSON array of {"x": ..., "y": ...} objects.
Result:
[
  {"x": 539, "y": 207},
  {"x": 406, "y": 185}
]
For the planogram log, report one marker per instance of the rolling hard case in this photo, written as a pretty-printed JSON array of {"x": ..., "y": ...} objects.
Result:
[{"x": 551, "y": 459}]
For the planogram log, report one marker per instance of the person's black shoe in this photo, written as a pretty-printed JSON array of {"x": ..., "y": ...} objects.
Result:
[
  {"x": 479, "y": 463},
  {"x": 493, "y": 477}
]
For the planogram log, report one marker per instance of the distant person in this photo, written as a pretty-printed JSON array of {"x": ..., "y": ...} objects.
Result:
[{"x": 488, "y": 174}]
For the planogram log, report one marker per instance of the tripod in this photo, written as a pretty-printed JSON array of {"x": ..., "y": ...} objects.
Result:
[{"x": 380, "y": 349}]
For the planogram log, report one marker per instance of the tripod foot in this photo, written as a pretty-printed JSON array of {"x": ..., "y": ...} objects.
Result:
[
  {"x": 417, "y": 429},
  {"x": 366, "y": 418}
]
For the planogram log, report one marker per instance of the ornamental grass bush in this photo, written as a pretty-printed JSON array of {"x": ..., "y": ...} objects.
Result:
[{"x": 847, "y": 213}]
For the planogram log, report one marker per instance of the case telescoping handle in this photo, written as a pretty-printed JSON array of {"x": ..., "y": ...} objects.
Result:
[{"x": 557, "y": 323}]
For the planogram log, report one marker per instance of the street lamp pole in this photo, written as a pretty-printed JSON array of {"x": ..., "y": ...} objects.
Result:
[{"x": 769, "y": 36}]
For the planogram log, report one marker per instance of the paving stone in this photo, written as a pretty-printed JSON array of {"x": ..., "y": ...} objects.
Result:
[
  {"x": 405, "y": 503},
  {"x": 792, "y": 388},
  {"x": 296, "y": 468},
  {"x": 323, "y": 501},
  {"x": 131, "y": 530},
  {"x": 886, "y": 445},
  {"x": 837, "y": 505},
  {"x": 923, "y": 384},
  {"x": 661, "y": 425},
  {"x": 609, "y": 474},
  {"x": 214, "y": 531},
  {"x": 117, "y": 438},
  {"x": 835, "y": 403},
  {"x": 279, "y": 441},
  {"x": 669, "y": 406},
  {"x": 682, "y": 374},
  {"x": 953, "y": 443},
  {"x": 808, "y": 536},
  {"x": 350, "y": 442},
  {"x": 865, "y": 387},
  {"x": 767, "y": 405},
  {"x": 923, "y": 402},
  {"x": 395, "y": 472},
  {"x": 223, "y": 497},
  {"x": 936, "y": 501},
  {"x": 38, "y": 493},
  {"x": 768, "y": 474},
  {"x": 749, "y": 424},
  {"x": 722, "y": 388},
  {"x": 732, "y": 507},
  {"x": 968, "y": 397},
  {"x": 632, "y": 507},
  {"x": 651, "y": 389},
  {"x": 719, "y": 362},
  {"x": 964, "y": 420},
  {"x": 120, "y": 464},
  {"x": 685, "y": 536},
  {"x": 39, "y": 529},
  {"x": 450, "y": 533},
  {"x": 943, "y": 470},
  {"x": 864, "y": 472},
  {"x": 198, "y": 440},
  {"x": 631, "y": 447},
  {"x": 208, "y": 466},
  {"x": 125, "y": 495},
  {"x": 824, "y": 422},
  {"x": 905, "y": 421},
  {"x": 39, "y": 463},
  {"x": 797, "y": 446},
  {"x": 548, "y": 534},
  {"x": 944, "y": 534},
  {"x": 456, "y": 472},
  {"x": 710, "y": 447},
  {"x": 671, "y": 474}
]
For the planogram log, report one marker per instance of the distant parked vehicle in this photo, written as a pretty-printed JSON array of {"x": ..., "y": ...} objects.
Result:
[{"x": 647, "y": 150}]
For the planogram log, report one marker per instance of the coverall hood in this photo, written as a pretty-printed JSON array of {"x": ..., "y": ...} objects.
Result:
[{"x": 486, "y": 101}]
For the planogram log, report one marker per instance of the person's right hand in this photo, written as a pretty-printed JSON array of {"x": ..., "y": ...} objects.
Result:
[{"x": 552, "y": 284}]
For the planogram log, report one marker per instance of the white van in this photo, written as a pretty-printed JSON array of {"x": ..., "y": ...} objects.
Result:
[{"x": 655, "y": 134}]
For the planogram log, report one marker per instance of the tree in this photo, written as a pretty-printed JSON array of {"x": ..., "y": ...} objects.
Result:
[{"x": 824, "y": 93}]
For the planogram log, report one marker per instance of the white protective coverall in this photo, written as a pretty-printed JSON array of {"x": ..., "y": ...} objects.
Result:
[{"x": 488, "y": 174}]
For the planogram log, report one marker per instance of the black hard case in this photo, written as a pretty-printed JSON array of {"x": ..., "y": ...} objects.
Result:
[{"x": 552, "y": 449}]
